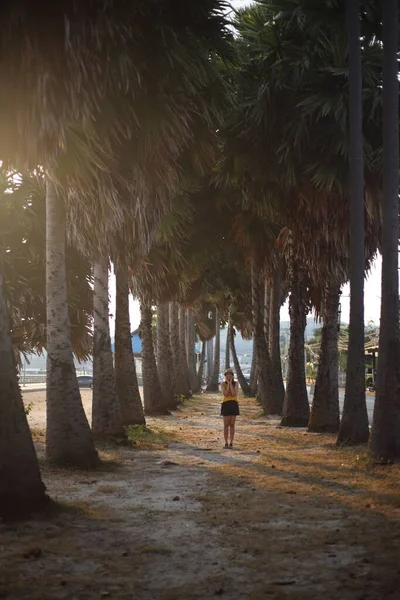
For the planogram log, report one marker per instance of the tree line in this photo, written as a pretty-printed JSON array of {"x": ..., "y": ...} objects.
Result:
[{"x": 222, "y": 161}]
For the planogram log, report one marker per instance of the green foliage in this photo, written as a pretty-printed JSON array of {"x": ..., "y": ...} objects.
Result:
[
  {"x": 180, "y": 399},
  {"x": 29, "y": 407},
  {"x": 23, "y": 255},
  {"x": 146, "y": 437}
]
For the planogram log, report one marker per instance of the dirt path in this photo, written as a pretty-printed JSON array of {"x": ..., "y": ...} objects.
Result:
[{"x": 284, "y": 515}]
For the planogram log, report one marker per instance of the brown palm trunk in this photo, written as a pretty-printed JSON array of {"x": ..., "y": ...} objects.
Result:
[
  {"x": 69, "y": 440},
  {"x": 266, "y": 382},
  {"x": 21, "y": 487},
  {"x": 106, "y": 414},
  {"x": 241, "y": 379},
  {"x": 227, "y": 351},
  {"x": 385, "y": 435},
  {"x": 153, "y": 399},
  {"x": 213, "y": 385},
  {"x": 274, "y": 339},
  {"x": 183, "y": 345},
  {"x": 354, "y": 428},
  {"x": 164, "y": 356},
  {"x": 210, "y": 357},
  {"x": 200, "y": 372},
  {"x": 296, "y": 409},
  {"x": 253, "y": 371},
  {"x": 194, "y": 382},
  {"x": 324, "y": 416},
  {"x": 181, "y": 383},
  {"x": 267, "y": 312},
  {"x": 125, "y": 369}
]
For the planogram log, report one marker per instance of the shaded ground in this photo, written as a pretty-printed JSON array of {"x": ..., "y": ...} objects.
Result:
[{"x": 284, "y": 515}]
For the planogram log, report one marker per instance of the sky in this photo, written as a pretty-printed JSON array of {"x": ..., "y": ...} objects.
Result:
[{"x": 372, "y": 300}]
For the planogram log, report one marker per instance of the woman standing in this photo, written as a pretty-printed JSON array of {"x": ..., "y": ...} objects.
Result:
[{"x": 229, "y": 406}]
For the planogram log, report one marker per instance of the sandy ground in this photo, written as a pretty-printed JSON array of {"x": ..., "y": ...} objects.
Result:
[{"x": 285, "y": 515}]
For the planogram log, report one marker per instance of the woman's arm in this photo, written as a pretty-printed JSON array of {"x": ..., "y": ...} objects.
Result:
[{"x": 225, "y": 388}]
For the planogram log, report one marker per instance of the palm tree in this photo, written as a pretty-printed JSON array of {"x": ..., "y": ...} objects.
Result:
[
  {"x": 69, "y": 440},
  {"x": 241, "y": 379},
  {"x": 213, "y": 384},
  {"x": 296, "y": 409},
  {"x": 181, "y": 381},
  {"x": 354, "y": 428},
  {"x": 164, "y": 355},
  {"x": 106, "y": 412},
  {"x": 385, "y": 435},
  {"x": 274, "y": 335},
  {"x": 22, "y": 490},
  {"x": 128, "y": 392},
  {"x": 324, "y": 416},
  {"x": 154, "y": 402},
  {"x": 194, "y": 380},
  {"x": 23, "y": 241},
  {"x": 200, "y": 371},
  {"x": 182, "y": 342}
]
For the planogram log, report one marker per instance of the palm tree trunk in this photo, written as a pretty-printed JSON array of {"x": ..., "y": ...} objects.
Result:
[
  {"x": 296, "y": 409},
  {"x": 241, "y": 379},
  {"x": 266, "y": 382},
  {"x": 354, "y": 427},
  {"x": 200, "y": 372},
  {"x": 164, "y": 356},
  {"x": 213, "y": 385},
  {"x": 69, "y": 440},
  {"x": 21, "y": 487},
  {"x": 274, "y": 338},
  {"x": 324, "y": 416},
  {"x": 253, "y": 371},
  {"x": 227, "y": 351},
  {"x": 106, "y": 414},
  {"x": 181, "y": 383},
  {"x": 153, "y": 399},
  {"x": 385, "y": 435},
  {"x": 183, "y": 345},
  {"x": 128, "y": 392},
  {"x": 210, "y": 358},
  {"x": 194, "y": 382},
  {"x": 267, "y": 312}
]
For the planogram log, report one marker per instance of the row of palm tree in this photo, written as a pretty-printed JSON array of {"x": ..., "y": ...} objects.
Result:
[{"x": 214, "y": 171}]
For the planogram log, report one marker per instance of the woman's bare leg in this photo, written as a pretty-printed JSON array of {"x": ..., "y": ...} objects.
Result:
[
  {"x": 226, "y": 428},
  {"x": 232, "y": 421}
]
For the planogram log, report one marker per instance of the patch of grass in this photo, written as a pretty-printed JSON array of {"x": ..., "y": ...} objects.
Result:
[
  {"x": 144, "y": 437},
  {"x": 80, "y": 508},
  {"x": 29, "y": 407}
]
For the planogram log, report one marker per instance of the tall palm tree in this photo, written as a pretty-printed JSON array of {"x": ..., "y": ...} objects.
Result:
[
  {"x": 154, "y": 402},
  {"x": 128, "y": 392},
  {"x": 164, "y": 355},
  {"x": 213, "y": 384},
  {"x": 106, "y": 412},
  {"x": 21, "y": 489},
  {"x": 68, "y": 440},
  {"x": 241, "y": 379},
  {"x": 296, "y": 408},
  {"x": 266, "y": 380},
  {"x": 181, "y": 381},
  {"x": 324, "y": 416},
  {"x": 194, "y": 380},
  {"x": 385, "y": 435},
  {"x": 354, "y": 426},
  {"x": 274, "y": 335}
]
